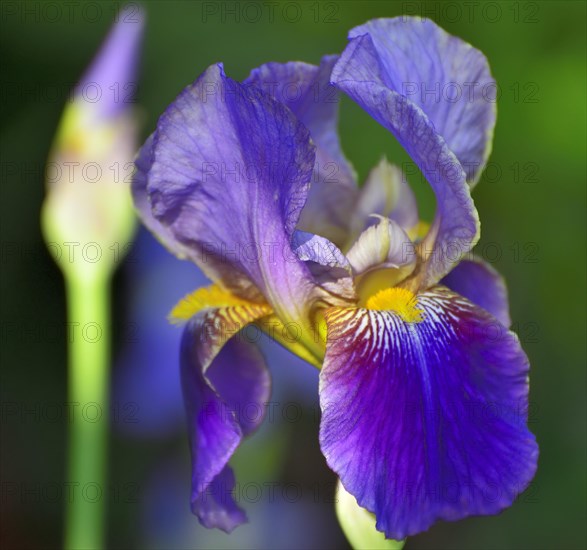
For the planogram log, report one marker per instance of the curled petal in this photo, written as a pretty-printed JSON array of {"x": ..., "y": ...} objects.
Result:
[
  {"x": 480, "y": 283},
  {"x": 220, "y": 384},
  {"x": 307, "y": 91},
  {"x": 362, "y": 72},
  {"x": 445, "y": 77},
  {"x": 425, "y": 419},
  {"x": 215, "y": 507}
]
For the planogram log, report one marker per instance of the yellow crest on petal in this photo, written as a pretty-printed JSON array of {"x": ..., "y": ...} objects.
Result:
[
  {"x": 400, "y": 301},
  {"x": 209, "y": 297}
]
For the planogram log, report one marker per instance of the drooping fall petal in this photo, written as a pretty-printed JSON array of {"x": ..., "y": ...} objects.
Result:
[
  {"x": 424, "y": 416},
  {"x": 222, "y": 376}
]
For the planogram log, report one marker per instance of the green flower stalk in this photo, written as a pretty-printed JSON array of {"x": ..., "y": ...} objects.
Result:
[{"x": 88, "y": 221}]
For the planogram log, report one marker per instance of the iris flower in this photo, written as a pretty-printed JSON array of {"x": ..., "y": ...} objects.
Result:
[{"x": 423, "y": 388}]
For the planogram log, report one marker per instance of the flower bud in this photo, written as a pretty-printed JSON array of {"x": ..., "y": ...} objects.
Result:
[{"x": 88, "y": 208}]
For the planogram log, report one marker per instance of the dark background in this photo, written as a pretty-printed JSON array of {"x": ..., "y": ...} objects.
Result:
[{"x": 532, "y": 206}]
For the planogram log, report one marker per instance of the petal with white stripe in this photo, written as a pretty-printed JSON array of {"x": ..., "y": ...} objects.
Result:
[{"x": 425, "y": 410}]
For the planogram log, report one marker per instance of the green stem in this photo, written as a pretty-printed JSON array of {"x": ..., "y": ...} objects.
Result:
[{"x": 89, "y": 354}]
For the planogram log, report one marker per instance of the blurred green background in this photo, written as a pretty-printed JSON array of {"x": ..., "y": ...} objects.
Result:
[{"x": 531, "y": 203}]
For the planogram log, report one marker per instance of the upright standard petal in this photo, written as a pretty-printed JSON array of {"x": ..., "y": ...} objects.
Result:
[
  {"x": 445, "y": 77},
  {"x": 362, "y": 74},
  {"x": 230, "y": 174},
  {"x": 481, "y": 284},
  {"x": 225, "y": 388},
  {"x": 385, "y": 245},
  {"x": 383, "y": 256},
  {"x": 424, "y": 410},
  {"x": 307, "y": 91}
]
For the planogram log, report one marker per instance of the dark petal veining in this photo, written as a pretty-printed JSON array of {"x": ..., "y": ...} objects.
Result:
[{"x": 426, "y": 421}]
